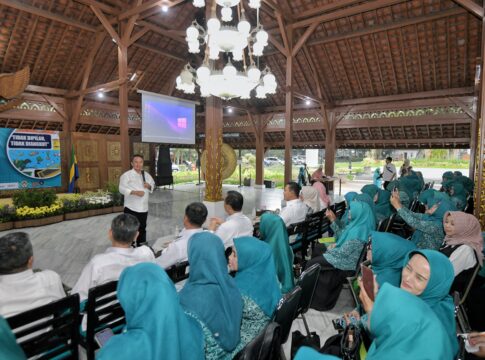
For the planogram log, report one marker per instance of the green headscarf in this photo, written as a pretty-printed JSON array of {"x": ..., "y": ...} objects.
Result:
[
  {"x": 467, "y": 183},
  {"x": 369, "y": 201},
  {"x": 443, "y": 208},
  {"x": 349, "y": 197},
  {"x": 9, "y": 349},
  {"x": 370, "y": 190},
  {"x": 383, "y": 205},
  {"x": 388, "y": 253},
  {"x": 306, "y": 353},
  {"x": 210, "y": 292},
  {"x": 459, "y": 195},
  {"x": 392, "y": 184},
  {"x": 156, "y": 325},
  {"x": 447, "y": 176},
  {"x": 362, "y": 222},
  {"x": 410, "y": 184},
  {"x": 403, "y": 327},
  {"x": 425, "y": 195},
  {"x": 436, "y": 293},
  {"x": 273, "y": 231},
  {"x": 256, "y": 273}
]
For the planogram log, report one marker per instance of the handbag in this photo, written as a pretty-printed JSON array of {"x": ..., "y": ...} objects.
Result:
[
  {"x": 351, "y": 342},
  {"x": 298, "y": 340}
]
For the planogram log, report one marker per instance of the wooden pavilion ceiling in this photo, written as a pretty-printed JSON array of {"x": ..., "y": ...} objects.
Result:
[{"x": 357, "y": 49}]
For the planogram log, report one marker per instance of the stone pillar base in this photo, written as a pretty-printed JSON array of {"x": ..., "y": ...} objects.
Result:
[{"x": 259, "y": 186}]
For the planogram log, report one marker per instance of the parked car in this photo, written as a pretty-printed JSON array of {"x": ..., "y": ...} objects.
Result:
[
  {"x": 298, "y": 160},
  {"x": 175, "y": 167},
  {"x": 272, "y": 160}
]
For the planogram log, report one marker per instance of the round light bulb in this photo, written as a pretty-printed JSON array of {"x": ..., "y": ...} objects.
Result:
[
  {"x": 229, "y": 110},
  {"x": 204, "y": 91},
  {"x": 203, "y": 73},
  {"x": 199, "y": 3},
  {"x": 260, "y": 93},
  {"x": 237, "y": 54},
  {"x": 194, "y": 47},
  {"x": 186, "y": 76},
  {"x": 269, "y": 78},
  {"x": 262, "y": 37},
  {"x": 178, "y": 80},
  {"x": 244, "y": 27},
  {"x": 213, "y": 25},
  {"x": 246, "y": 94},
  {"x": 213, "y": 53},
  {"x": 100, "y": 95},
  {"x": 254, "y": 4},
  {"x": 257, "y": 49},
  {"x": 229, "y": 71},
  {"x": 254, "y": 73},
  {"x": 226, "y": 13},
  {"x": 192, "y": 33},
  {"x": 164, "y": 8}
]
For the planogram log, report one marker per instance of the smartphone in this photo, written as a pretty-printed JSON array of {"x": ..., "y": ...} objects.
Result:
[
  {"x": 368, "y": 281},
  {"x": 103, "y": 336},
  {"x": 337, "y": 324}
]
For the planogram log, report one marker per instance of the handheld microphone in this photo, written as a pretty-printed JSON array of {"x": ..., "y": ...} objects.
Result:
[{"x": 143, "y": 175}]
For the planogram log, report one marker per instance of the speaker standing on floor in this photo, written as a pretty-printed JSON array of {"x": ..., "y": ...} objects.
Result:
[{"x": 164, "y": 167}]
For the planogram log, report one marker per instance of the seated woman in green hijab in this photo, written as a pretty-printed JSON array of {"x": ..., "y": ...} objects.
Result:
[
  {"x": 427, "y": 274},
  {"x": 156, "y": 326},
  {"x": 428, "y": 227},
  {"x": 252, "y": 261},
  {"x": 381, "y": 200},
  {"x": 273, "y": 231},
  {"x": 404, "y": 328},
  {"x": 211, "y": 296},
  {"x": 341, "y": 261},
  {"x": 9, "y": 349},
  {"x": 458, "y": 195}
]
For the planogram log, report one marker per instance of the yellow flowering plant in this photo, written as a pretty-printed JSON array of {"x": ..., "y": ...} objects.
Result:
[{"x": 27, "y": 213}]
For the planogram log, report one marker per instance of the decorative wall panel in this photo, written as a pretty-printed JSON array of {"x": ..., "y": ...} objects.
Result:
[
  {"x": 87, "y": 150},
  {"x": 89, "y": 178},
  {"x": 114, "y": 173},
  {"x": 113, "y": 150},
  {"x": 142, "y": 149}
]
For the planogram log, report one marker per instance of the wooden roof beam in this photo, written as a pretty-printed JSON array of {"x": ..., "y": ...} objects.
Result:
[
  {"x": 147, "y": 6},
  {"x": 472, "y": 7},
  {"x": 354, "y": 10},
  {"x": 410, "y": 96},
  {"x": 47, "y": 14}
]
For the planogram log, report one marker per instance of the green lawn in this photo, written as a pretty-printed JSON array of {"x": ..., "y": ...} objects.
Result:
[{"x": 276, "y": 172}]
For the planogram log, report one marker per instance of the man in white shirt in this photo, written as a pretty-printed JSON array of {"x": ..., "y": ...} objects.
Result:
[
  {"x": 108, "y": 266},
  {"x": 20, "y": 288},
  {"x": 295, "y": 210},
  {"x": 195, "y": 216},
  {"x": 236, "y": 225},
  {"x": 135, "y": 185},
  {"x": 388, "y": 172}
]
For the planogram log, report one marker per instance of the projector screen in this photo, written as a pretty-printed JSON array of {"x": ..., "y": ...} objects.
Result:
[{"x": 167, "y": 120}]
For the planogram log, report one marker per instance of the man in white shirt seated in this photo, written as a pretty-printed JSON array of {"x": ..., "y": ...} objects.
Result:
[
  {"x": 295, "y": 210},
  {"x": 236, "y": 225},
  {"x": 108, "y": 266},
  {"x": 20, "y": 288},
  {"x": 195, "y": 216}
]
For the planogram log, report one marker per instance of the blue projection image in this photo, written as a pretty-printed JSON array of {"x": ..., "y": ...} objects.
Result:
[{"x": 167, "y": 120}]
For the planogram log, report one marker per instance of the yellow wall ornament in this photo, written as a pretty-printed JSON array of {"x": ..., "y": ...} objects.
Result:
[{"x": 228, "y": 162}]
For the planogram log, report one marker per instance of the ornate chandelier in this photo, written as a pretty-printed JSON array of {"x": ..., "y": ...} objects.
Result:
[{"x": 240, "y": 43}]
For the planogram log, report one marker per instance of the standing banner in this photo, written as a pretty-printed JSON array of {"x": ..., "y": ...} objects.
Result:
[{"x": 29, "y": 159}]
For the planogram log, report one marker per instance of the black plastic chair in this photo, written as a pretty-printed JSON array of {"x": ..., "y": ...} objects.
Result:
[
  {"x": 286, "y": 312},
  {"x": 178, "y": 272},
  {"x": 470, "y": 205},
  {"x": 103, "y": 310},
  {"x": 49, "y": 331},
  {"x": 265, "y": 346},
  {"x": 339, "y": 209},
  {"x": 462, "y": 325},
  {"x": 308, "y": 282}
]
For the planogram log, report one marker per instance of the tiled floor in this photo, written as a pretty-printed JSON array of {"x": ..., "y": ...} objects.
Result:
[{"x": 67, "y": 246}]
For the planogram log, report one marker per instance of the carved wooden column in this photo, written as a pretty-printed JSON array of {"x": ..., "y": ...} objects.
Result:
[
  {"x": 289, "y": 108},
  {"x": 330, "y": 141},
  {"x": 480, "y": 154},
  {"x": 213, "y": 145},
  {"x": 123, "y": 98},
  {"x": 259, "y": 132}
]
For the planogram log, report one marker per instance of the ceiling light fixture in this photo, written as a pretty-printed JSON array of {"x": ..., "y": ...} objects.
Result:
[{"x": 240, "y": 43}]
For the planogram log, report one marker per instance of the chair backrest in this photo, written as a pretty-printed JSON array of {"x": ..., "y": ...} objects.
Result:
[
  {"x": 49, "y": 331},
  {"x": 325, "y": 225},
  {"x": 103, "y": 310},
  {"x": 178, "y": 272},
  {"x": 265, "y": 346},
  {"x": 414, "y": 205},
  {"x": 295, "y": 229},
  {"x": 313, "y": 226},
  {"x": 340, "y": 209},
  {"x": 399, "y": 227},
  {"x": 471, "y": 280},
  {"x": 308, "y": 282},
  {"x": 384, "y": 224},
  {"x": 286, "y": 312},
  {"x": 470, "y": 205}
]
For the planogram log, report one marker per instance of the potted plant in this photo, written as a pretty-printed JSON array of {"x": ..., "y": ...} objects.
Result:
[
  {"x": 36, "y": 207},
  {"x": 7, "y": 215},
  {"x": 117, "y": 197},
  {"x": 99, "y": 202},
  {"x": 75, "y": 207}
]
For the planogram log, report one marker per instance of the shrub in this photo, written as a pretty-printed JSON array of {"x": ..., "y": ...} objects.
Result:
[
  {"x": 7, "y": 213},
  {"x": 34, "y": 198},
  {"x": 117, "y": 197}
]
